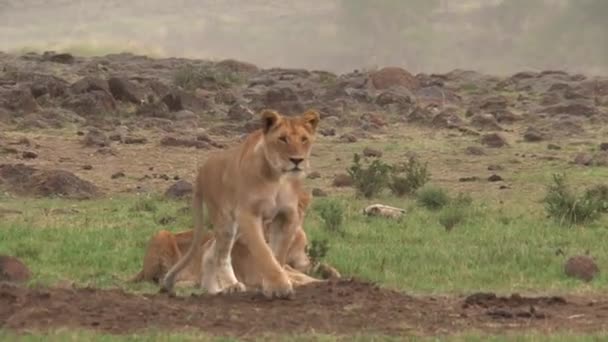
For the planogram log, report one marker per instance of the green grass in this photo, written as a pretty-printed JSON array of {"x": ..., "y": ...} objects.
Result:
[{"x": 101, "y": 243}]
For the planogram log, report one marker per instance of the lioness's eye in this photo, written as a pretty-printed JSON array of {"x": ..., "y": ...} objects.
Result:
[
  {"x": 283, "y": 138},
  {"x": 304, "y": 139}
]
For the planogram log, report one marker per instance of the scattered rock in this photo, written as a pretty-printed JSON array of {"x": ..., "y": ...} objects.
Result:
[
  {"x": 18, "y": 100},
  {"x": 183, "y": 142},
  {"x": 134, "y": 139},
  {"x": 314, "y": 175},
  {"x": 447, "y": 119},
  {"x": 485, "y": 122},
  {"x": 178, "y": 190},
  {"x": 13, "y": 270},
  {"x": 185, "y": 115},
  {"x": 90, "y": 104},
  {"x": 495, "y": 178},
  {"x": 468, "y": 179},
  {"x": 118, "y": 174},
  {"x": 327, "y": 132},
  {"x": 124, "y": 90},
  {"x": 475, "y": 151},
  {"x": 494, "y": 140},
  {"x": 96, "y": 138},
  {"x": 581, "y": 267},
  {"x": 239, "y": 112},
  {"x": 389, "y": 77},
  {"x": 88, "y": 84},
  {"x": 62, "y": 58},
  {"x": 495, "y": 167},
  {"x": 583, "y": 158},
  {"x": 604, "y": 146},
  {"x": 29, "y": 155},
  {"x": 87, "y": 167},
  {"x": 283, "y": 99},
  {"x": 398, "y": 96},
  {"x": 342, "y": 180},
  {"x": 371, "y": 152},
  {"x": 533, "y": 135},
  {"x": 348, "y": 138},
  {"x": 554, "y": 147},
  {"x": 317, "y": 192}
]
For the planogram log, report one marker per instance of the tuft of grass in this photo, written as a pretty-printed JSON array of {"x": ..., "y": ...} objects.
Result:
[
  {"x": 456, "y": 212},
  {"x": 318, "y": 249},
  {"x": 432, "y": 197},
  {"x": 145, "y": 203},
  {"x": 569, "y": 208},
  {"x": 331, "y": 213}
]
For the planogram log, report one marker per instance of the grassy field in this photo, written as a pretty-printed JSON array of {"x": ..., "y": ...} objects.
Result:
[
  {"x": 493, "y": 248},
  {"x": 503, "y": 241}
]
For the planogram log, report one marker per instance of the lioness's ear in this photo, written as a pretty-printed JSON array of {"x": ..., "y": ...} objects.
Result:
[
  {"x": 270, "y": 118},
  {"x": 312, "y": 118}
]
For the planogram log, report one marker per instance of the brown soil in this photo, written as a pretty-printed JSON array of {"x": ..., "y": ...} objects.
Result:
[{"x": 340, "y": 307}]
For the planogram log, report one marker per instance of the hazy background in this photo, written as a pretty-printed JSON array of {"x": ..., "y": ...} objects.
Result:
[{"x": 497, "y": 36}]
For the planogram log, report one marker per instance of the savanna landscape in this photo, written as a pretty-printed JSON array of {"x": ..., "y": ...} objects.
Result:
[{"x": 481, "y": 127}]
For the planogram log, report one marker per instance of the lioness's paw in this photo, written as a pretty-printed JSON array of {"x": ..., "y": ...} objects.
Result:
[
  {"x": 280, "y": 290},
  {"x": 234, "y": 288}
]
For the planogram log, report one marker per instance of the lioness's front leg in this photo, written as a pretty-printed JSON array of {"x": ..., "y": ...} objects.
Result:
[
  {"x": 275, "y": 282},
  {"x": 218, "y": 275}
]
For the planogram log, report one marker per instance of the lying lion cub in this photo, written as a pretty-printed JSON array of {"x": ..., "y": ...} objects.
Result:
[{"x": 166, "y": 248}]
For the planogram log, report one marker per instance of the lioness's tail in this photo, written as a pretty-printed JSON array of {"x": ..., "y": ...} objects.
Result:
[{"x": 197, "y": 209}]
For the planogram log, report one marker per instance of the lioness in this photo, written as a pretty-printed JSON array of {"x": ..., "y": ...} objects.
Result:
[
  {"x": 166, "y": 248},
  {"x": 242, "y": 187}
]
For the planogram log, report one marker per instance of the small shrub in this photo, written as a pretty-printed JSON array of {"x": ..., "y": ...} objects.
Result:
[
  {"x": 369, "y": 181},
  {"x": 452, "y": 215},
  {"x": 318, "y": 250},
  {"x": 332, "y": 215},
  {"x": 598, "y": 193},
  {"x": 148, "y": 204},
  {"x": 432, "y": 197},
  {"x": 462, "y": 200},
  {"x": 206, "y": 76},
  {"x": 567, "y": 208},
  {"x": 409, "y": 177}
]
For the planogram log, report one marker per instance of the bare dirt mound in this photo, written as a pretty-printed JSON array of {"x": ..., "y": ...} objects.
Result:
[
  {"x": 337, "y": 307},
  {"x": 26, "y": 180}
]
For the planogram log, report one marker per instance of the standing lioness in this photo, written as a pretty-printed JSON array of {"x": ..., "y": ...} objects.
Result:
[{"x": 242, "y": 187}]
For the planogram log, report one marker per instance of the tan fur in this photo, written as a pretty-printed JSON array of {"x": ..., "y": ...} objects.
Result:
[
  {"x": 243, "y": 187},
  {"x": 166, "y": 248}
]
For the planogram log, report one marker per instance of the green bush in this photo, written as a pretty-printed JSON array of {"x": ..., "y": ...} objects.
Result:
[
  {"x": 568, "y": 208},
  {"x": 408, "y": 177},
  {"x": 371, "y": 180},
  {"x": 432, "y": 197}
]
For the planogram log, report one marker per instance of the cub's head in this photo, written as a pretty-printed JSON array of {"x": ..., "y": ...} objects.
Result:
[{"x": 288, "y": 141}]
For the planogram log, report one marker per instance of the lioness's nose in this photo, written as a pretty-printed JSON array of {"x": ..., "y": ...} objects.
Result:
[{"x": 296, "y": 160}]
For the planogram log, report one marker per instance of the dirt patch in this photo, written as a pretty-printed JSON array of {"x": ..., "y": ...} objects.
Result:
[
  {"x": 25, "y": 180},
  {"x": 337, "y": 307}
]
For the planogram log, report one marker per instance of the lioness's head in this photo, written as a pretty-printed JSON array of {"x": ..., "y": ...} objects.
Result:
[{"x": 288, "y": 141}]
